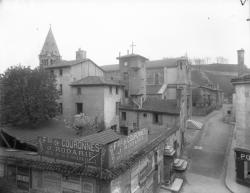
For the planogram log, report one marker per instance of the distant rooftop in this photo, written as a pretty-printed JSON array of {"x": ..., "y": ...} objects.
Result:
[
  {"x": 166, "y": 62},
  {"x": 244, "y": 79},
  {"x": 132, "y": 56}
]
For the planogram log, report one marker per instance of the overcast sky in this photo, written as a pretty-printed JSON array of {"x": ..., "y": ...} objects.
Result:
[{"x": 159, "y": 28}]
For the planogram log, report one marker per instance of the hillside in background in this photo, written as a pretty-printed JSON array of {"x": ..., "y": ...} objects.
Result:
[
  {"x": 222, "y": 69},
  {"x": 220, "y": 74}
]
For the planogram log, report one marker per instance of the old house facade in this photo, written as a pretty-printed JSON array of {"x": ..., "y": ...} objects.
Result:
[
  {"x": 98, "y": 97},
  {"x": 242, "y": 127},
  {"x": 133, "y": 163},
  {"x": 206, "y": 99},
  {"x": 66, "y": 72},
  {"x": 168, "y": 79}
]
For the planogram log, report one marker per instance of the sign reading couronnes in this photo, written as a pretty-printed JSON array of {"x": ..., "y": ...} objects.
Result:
[
  {"x": 121, "y": 149},
  {"x": 70, "y": 150}
]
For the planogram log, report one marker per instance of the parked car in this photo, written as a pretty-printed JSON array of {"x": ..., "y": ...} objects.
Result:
[{"x": 180, "y": 164}]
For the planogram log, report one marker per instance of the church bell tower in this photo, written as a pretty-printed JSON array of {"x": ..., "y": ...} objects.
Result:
[{"x": 50, "y": 53}]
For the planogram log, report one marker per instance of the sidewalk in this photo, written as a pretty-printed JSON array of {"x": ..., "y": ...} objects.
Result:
[{"x": 230, "y": 180}]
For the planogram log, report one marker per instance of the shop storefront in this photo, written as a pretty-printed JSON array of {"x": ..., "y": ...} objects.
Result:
[
  {"x": 128, "y": 165},
  {"x": 38, "y": 181},
  {"x": 242, "y": 165}
]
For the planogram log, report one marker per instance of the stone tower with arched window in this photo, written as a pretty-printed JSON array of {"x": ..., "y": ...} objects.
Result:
[{"x": 49, "y": 53}]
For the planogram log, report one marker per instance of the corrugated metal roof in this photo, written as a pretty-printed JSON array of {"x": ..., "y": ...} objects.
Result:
[{"x": 105, "y": 137}]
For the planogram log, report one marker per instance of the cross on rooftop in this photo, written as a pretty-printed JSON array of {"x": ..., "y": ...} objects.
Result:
[{"x": 132, "y": 46}]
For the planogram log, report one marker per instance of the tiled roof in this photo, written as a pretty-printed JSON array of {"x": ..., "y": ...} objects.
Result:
[
  {"x": 49, "y": 45},
  {"x": 153, "y": 89},
  {"x": 95, "y": 81},
  {"x": 241, "y": 79},
  {"x": 111, "y": 67},
  {"x": 155, "y": 105},
  {"x": 66, "y": 63},
  {"x": 53, "y": 129},
  {"x": 23, "y": 158},
  {"x": 105, "y": 137}
]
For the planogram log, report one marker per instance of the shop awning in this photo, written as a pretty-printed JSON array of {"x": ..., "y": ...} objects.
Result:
[{"x": 192, "y": 124}]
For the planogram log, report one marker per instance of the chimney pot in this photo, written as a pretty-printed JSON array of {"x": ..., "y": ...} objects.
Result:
[
  {"x": 240, "y": 54},
  {"x": 80, "y": 54}
]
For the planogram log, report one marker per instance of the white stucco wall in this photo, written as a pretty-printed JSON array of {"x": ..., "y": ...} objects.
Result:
[
  {"x": 70, "y": 74},
  {"x": 110, "y": 116},
  {"x": 92, "y": 99},
  {"x": 242, "y": 105},
  {"x": 171, "y": 75}
]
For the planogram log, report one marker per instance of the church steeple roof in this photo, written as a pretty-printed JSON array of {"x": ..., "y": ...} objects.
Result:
[{"x": 49, "y": 46}]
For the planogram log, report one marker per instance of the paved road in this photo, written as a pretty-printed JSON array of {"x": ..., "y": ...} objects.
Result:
[{"x": 207, "y": 157}]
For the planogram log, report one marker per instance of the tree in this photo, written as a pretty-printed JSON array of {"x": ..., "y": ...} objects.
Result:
[
  {"x": 85, "y": 125},
  {"x": 221, "y": 60},
  {"x": 28, "y": 96}
]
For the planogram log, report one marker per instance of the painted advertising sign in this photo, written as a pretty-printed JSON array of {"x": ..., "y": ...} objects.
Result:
[
  {"x": 71, "y": 150},
  {"x": 120, "y": 149},
  {"x": 245, "y": 156}
]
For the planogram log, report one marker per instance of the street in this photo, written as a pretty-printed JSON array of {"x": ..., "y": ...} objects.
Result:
[{"x": 207, "y": 156}]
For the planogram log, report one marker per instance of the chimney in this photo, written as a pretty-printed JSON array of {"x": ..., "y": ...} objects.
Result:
[
  {"x": 240, "y": 62},
  {"x": 80, "y": 54}
]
